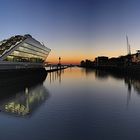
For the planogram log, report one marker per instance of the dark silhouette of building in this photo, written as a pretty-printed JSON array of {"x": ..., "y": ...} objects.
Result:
[
  {"x": 87, "y": 63},
  {"x": 101, "y": 60}
]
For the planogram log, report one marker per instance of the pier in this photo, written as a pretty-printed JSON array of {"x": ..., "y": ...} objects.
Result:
[{"x": 52, "y": 68}]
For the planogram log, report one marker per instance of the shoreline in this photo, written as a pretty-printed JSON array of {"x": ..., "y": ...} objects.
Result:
[{"x": 133, "y": 71}]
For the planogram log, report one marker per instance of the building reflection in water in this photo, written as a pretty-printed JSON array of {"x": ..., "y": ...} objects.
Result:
[
  {"x": 24, "y": 95},
  {"x": 132, "y": 82},
  {"x": 129, "y": 85}
]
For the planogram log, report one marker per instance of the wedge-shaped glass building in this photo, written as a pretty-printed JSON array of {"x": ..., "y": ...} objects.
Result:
[{"x": 22, "y": 52}]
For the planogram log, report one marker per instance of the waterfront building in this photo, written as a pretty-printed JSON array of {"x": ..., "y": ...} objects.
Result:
[
  {"x": 20, "y": 52},
  {"x": 136, "y": 57},
  {"x": 87, "y": 63},
  {"x": 101, "y": 60}
]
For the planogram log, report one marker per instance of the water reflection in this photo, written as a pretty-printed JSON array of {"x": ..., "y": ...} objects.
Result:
[
  {"x": 100, "y": 74},
  {"x": 21, "y": 95},
  {"x": 89, "y": 105},
  {"x": 131, "y": 82},
  {"x": 56, "y": 75}
]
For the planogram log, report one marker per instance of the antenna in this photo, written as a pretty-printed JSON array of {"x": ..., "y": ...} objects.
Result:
[{"x": 128, "y": 46}]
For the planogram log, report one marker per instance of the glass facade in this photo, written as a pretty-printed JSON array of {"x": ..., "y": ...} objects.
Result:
[
  {"x": 23, "y": 49},
  {"x": 28, "y": 53}
]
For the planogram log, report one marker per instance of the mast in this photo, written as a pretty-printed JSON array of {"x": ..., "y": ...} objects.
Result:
[{"x": 128, "y": 46}]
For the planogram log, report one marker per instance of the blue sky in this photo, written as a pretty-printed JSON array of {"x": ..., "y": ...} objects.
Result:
[
  {"x": 74, "y": 29},
  {"x": 113, "y": 20}
]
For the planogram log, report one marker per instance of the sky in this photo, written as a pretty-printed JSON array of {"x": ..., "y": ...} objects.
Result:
[{"x": 74, "y": 29}]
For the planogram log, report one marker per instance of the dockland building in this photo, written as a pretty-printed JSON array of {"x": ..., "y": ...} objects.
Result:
[{"x": 22, "y": 52}]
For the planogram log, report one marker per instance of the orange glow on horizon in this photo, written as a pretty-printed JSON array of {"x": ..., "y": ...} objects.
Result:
[
  {"x": 68, "y": 57},
  {"x": 75, "y": 57},
  {"x": 65, "y": 60}
]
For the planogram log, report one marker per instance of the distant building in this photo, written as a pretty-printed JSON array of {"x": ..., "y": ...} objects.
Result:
[
  {"x": 87, "y": 63},
  {"x": 101, "y": 60},
  {"x": 136, "y": 57}
]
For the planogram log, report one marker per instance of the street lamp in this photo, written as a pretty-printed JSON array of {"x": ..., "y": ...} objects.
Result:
[{"x": 59, "y": 61}]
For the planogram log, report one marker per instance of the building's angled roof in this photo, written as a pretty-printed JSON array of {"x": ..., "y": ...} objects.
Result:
[
  {"x": 12, "y": 40},
  {"x": 6, "y": 44}
]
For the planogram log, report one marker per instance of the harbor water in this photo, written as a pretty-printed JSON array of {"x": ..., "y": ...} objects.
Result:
[{"x": 70, "y": 104}]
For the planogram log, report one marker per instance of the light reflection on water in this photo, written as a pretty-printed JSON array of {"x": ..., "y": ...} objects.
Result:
[
  {"x": 25, "y": 102},
  {"x": 23, "y": 95},
  {"x": 71, "y": 104}
]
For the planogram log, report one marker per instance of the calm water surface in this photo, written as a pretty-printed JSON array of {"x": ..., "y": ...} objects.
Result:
[{"x": 72, "y": 104}]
